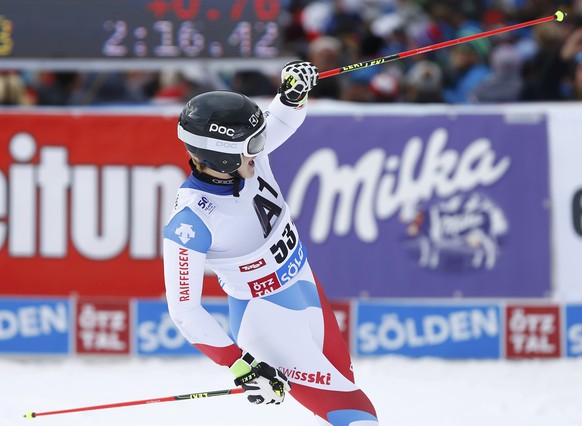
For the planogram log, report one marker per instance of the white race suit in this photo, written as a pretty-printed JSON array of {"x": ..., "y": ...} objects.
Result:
[{"x": 278, "y": 311}]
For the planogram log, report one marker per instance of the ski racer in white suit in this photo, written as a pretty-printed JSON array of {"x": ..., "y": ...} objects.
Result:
[{"x": 230, "y": 216}]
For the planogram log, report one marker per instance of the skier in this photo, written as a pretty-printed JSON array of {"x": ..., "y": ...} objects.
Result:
[{"x": 230, "y": 216}]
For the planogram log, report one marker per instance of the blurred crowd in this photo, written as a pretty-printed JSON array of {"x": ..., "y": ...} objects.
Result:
[{"x": 537, "y": 63}]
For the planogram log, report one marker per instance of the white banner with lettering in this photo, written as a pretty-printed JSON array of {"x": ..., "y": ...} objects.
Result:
[{"x": 566, "y": 196}]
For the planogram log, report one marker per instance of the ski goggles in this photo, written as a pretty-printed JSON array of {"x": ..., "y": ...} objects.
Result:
[{"x": 249, "y": 147}]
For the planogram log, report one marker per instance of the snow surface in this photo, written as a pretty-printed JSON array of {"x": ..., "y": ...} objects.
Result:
[{"x": 406, "y": 392}]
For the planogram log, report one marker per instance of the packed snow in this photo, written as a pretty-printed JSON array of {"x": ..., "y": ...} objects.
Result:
[{"x": 406, "y": 392}]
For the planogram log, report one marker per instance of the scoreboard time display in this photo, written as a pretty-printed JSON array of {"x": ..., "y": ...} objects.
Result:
[{"x": 133, "y": 29}]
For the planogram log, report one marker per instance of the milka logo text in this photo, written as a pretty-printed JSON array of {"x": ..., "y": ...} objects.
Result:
[{"x": 386, "y": 184}]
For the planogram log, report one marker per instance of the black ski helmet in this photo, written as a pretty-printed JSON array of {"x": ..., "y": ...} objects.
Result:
[{"x": 219, "y": 126}]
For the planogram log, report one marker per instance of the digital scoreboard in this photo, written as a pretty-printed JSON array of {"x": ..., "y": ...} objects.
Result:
[{"x": 139, "y": 29}]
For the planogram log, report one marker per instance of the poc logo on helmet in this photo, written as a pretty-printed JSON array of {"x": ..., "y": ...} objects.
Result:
[
  {"x": 228, "y": 144},
  {"x": 222, "y": 130}
]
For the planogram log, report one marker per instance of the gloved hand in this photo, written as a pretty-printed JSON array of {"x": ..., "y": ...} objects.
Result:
[
  {"x": 297, "y": 78},
  {"x": 261, "y": 382}
]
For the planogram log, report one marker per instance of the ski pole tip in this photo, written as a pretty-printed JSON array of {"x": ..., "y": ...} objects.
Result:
[
  {"x": 30, "y": 415},
  {"x": 560, "y": 15}
]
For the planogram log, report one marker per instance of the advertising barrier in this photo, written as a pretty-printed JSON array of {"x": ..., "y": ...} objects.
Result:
[
  {"x": 35, "y": 326},
  {"x": 428, "y": 226},
  {"x": 573, "y": 330},
  {"x": 566, "y": 187},
  {"x": 438, "y": 206},
  {"x": 156, "y": 334},
  {"x": 533, "y": 331},
  {"x": 445, "y": 331},
  {"x": 82, "y": 201},
  {"x": 450, "y": 203},
  {"x": 343, "y": 316},
  {"x": 102, "y": 326}
]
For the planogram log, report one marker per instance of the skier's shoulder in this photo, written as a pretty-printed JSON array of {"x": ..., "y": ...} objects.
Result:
[{"x": 189, "y": 224}]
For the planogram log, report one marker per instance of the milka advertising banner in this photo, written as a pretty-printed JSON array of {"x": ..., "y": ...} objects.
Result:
[
  {"x": 387, "y": 206},
  {"x": 417, "y": 206}
]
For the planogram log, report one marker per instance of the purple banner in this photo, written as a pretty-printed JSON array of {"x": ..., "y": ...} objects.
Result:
[{"x": 422, "y": 206}]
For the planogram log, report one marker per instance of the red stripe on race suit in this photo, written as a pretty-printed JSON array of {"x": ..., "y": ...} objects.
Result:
[
  {"x": 335, "y": 348},
  {"x": 223, "y": 356},
  {"x": 324, "y": 401}
]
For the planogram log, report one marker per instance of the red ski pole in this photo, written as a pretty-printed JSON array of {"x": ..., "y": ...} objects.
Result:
[
  {"x": 558, "y": 16},
  {"x": 198, "y": 395}
]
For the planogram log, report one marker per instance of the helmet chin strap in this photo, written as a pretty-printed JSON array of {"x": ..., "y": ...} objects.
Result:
[
  {"x": 236, "y": 184},
  {"x": 235, "y": 181}
]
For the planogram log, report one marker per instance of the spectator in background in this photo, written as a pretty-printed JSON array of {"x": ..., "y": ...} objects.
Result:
[
  {"x": 467, "y": 71},
  {"x": 174, "y": 88},
  {"x": 142, "y": 84},
  {"x": 571, "y": 53},
  {"x": 252, "y": 83},
  {"x": 457, "y": 18},
  {"x": 13, "y": 90},
  {"x": 107, "y": 88},
  {"x": 576, "y": 93},
  {"x": 385, "y": 86},
  {"x": 545, "y": 72},
  {"x": 56, "y": 88},
  {"x": 360, "y": 86},
  {"x": 423, "y": 83},
  {"x": 346, "y": 21},
  {"x": 177, "y": 86},
  {"x": 505, "y": 83},
  {"x": 333, "y": 33},
  {"x": 465, "y": 65},
  {"x": 325, "y": 53}
]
